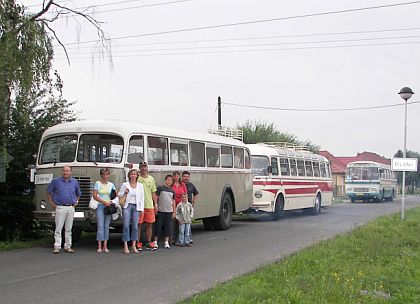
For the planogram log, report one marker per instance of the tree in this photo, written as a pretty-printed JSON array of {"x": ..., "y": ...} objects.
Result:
[
  {"x": 30, "y": 101},
  {"x": 261, "y": 131},
  {"x": 412, "y": 179}
]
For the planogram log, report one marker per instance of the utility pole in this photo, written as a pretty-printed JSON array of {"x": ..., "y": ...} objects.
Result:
[{"x": 219, "y": 111}]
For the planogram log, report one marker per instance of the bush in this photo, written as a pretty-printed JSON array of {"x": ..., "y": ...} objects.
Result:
[{"x": 16, "y": 217}]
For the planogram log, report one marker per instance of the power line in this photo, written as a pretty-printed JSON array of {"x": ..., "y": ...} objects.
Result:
[
  {"x": 317, "y": 110},
  {"x": 256, "y": 50},
  {"x": 256, "y": 21},
  {"x": 255, "y": 38},
  {"x": 124, "y": 8},
  {"x": 258, "y": 45}
]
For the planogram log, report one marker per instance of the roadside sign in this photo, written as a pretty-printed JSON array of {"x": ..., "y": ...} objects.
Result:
[{"x": 404, "y": 164}]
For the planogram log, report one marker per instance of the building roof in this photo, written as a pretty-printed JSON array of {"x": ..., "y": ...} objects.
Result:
[
  {"x": 336, "y": 165},
  {"x": 339, "y": 163}
]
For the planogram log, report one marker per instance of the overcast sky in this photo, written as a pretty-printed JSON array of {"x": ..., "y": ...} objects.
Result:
[{"x": 158, "y": 80}]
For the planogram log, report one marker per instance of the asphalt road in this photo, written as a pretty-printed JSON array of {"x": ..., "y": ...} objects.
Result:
[{"x": 166, "y": 276}]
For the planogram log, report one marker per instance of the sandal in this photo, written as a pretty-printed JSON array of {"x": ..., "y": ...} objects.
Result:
[{"x": 99, "y": 250}]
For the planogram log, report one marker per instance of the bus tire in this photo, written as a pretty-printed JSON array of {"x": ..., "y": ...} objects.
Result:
[
  {"x": 316, "y": 209},
  {"x": 223, "y": 221},
  {"x": 391, "y": 199},
  {"x": 278, "y": 209},
  {"x": 208, "y": 224},
  {"x": 353, "y": 201}
]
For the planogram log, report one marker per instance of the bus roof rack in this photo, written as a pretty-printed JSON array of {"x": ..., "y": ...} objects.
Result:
[
  {"x": 228, "y": 132},
  {"x": 286, "y": 145}
]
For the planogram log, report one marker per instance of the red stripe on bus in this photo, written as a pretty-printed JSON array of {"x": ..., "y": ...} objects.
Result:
[{"x": 301, "y": 191}]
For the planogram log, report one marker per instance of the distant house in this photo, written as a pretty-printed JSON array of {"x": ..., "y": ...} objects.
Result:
[{"x": 339, "y": 164}]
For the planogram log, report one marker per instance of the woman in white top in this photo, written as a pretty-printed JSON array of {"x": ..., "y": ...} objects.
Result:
[{"x": 134, "y": 204}]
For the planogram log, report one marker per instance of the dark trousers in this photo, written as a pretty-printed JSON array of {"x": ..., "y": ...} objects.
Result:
[{"x": 164, "y": 222}]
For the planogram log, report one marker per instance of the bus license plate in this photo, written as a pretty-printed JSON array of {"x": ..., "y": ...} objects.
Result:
[{"x": 79, "y": 214}]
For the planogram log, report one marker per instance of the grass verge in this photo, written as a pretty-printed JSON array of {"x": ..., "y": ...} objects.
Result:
[
  {"x": 25, "y": 243},
  {"x": 376, "y": 263}
]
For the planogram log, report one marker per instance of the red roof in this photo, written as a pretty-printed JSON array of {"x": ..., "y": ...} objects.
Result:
[
  {"x": 339, "y": 163},
  {"x": 337, "y": 166}
]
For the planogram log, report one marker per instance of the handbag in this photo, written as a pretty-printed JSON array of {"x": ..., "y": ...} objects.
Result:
[
  {"x": 111, "y": 209},
  {"x": 123, "y": 199},
  {"x": 93, "y": 203}
]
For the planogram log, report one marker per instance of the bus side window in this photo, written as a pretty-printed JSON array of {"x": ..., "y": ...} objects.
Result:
[
  {"x": 238, "y": 157},
  {"x": 179, "y": 153},
  {"x": 227, "y": 161},
  {"x": 301, "y": 168},
  {"x": 328, "y": 170},
  {"x": 308, "y": 168},
  {"x": 197, "y": 154},
  {"x": 213, "y": 156},
  {"x": 316, "y": 169},
  {"x": 323, "y": 170},
  {"x": 293, "y": 169},
  {"x": 274, "y": 166},
  {"x": 157, "y": 151},
  {"x": 247, "y": 160},
  {"x": 284, "y": 166},
  {"x": 136, "y": 149}
]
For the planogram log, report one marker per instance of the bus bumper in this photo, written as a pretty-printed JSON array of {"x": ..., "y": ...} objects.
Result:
[{"x": 363, "y": 196}]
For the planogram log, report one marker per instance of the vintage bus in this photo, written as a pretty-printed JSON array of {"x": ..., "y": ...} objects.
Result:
[
  {"x": 220, "y": 166},
  {"x": 367, "y": 180},
  {"x": 289, "y": 177}
]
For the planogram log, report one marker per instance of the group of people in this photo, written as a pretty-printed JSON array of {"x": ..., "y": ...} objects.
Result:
[{"x": 170, "y": 207}]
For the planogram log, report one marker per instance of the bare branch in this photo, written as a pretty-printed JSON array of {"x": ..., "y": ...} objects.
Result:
[
  {"x": 56, "y": 37},
  {"x": 43, "y": 11}
]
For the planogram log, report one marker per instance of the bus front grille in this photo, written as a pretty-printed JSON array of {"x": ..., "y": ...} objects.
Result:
[
  {"x": 359, "y": 190},
  {"x": 85, "y": 187}
]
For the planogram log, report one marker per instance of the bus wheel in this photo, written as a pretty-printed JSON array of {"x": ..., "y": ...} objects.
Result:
[
  {"x": 353, "y": 200},
  {"x": 208, "y": 224},
  {"x": 223, "y": 221},
  {"x": 316, "y": 209},
  {"x": 278, "y": 209},
  {"x": 392, "y": 196}
]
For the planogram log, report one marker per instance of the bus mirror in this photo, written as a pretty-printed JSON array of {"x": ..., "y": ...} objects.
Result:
[{"x": 270, "y": 169}]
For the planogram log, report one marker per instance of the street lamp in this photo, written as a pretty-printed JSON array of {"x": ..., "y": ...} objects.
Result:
[{"x": 405, "y": 93}]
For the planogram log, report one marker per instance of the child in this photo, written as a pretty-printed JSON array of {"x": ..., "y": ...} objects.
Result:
[
  {"x": 166, "y": 210},
  {"x": 184, "y": 215}
]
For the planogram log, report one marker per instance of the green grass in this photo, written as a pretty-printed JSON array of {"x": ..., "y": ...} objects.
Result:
[
  {"x": 376, "y": 263},
  {"x": 25, "y": 243}
]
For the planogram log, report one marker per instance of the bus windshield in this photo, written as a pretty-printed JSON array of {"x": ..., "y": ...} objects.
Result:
[
  {"x": 259, "y": 165},
  {"x": 363, "y": 173},
  {"x": 58, "y": 149}
]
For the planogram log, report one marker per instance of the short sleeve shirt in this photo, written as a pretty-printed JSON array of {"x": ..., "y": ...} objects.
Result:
[
  {"x": 166, "y": 197},
  {"x": 149, "y": 186},
  {"x": 192, "y": 191},
  {"x": 64, "y": 191},
  {"x": 179, "y": 190},
  {"x": 104, "y": 190}
]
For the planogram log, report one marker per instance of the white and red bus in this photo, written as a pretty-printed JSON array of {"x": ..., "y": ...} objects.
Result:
[{"x": 289, "y": 177}]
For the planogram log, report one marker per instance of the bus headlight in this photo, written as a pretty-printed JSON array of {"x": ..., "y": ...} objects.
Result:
[
  {"x": 43, "y": 205},
  {"x": 258, "y": 194},
  {"x": 349, "y": 189}
]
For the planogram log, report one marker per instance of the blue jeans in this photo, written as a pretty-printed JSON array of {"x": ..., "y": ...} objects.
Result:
[
  {"x": 102, "y": 223},
  {"x": 184, "y": 234},
  {"x": 130, "y": 213}
]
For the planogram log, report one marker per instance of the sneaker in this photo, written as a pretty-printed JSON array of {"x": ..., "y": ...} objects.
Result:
[
  {"x": 166, "y": 245},
  {"x": 188, "y": 244},
  {"x": 151, "y": 246},
  {"x": 56, "y": 250},
  {"x": 179, "y": 244},
  {"x": 156, "y": 244},
  {"x": 69, "y": 250},
  {"x": 139, "y": 246}
]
